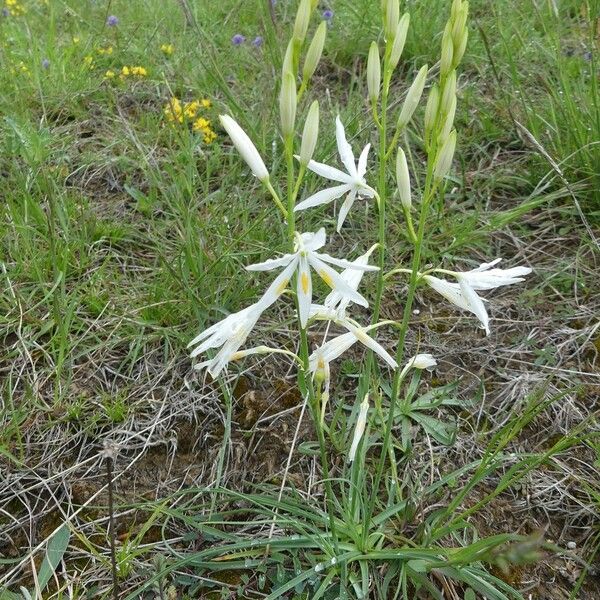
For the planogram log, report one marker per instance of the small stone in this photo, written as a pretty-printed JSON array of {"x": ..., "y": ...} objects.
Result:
[{"x": 571, "y": 545}]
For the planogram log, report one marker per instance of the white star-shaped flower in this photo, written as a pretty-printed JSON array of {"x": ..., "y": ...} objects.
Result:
[
  {"x": 351, "y": 183},
  {"x": 304, "y": 258},
  {"x": 484, "y": 277}
]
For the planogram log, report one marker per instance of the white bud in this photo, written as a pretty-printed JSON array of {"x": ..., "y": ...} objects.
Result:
[
  {"x": 313, "y": 54},
  {"x": 287, "y": 104},
  {"x": 449, "y": 93},
  {"x": 302, "y": 20},
  {"x": 403, "y": 179},
  {"x": 448, "y": 122},
  {"x": 399, "y": 40},
  {"x": 245, "y": 147},
  {"x": 447, "y": 50},
  {"x": 420, "y": 361},
  {"x": 373, "y": 72},
  {"x": 412, "y": 98},
  {"x": 310, "y": 134},
  {"x": 390, "y": 18},
  {"x": 459, "y": 49},
  {"x": 359, "y": 429},
  {"x": 460, "y": 23},
  {"x": 288, "y": 59},
  {"x": 431, "y": 110},
  {"x": 443, "y": 161}
]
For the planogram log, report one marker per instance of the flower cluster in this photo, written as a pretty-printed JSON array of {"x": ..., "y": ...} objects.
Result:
[
  {"x": 167, "y": 49},
  {"x": 126, "y": 72},
  {"x": 189, "y": 113},
  {"x": 13, "y": 8}
]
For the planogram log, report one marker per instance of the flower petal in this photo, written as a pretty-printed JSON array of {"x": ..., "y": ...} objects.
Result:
[
  {"x": 304, "y": 291},
  {"x": 329, "y": 172},
  {"x": 345, "y": 264},
  {"x": 344, "y": 148},
  {"x": 272, "y": 263},
  {"x": 314, "y": 241},
  {"x": 345, "y": 209},
  {"x": 279, "y": 285},
  {"x": 334, "y": 280},
  {"x": 370, "y": 343},
  {"x": 323, "y": 197},
  {"x": 362, "y": 160},
  {"x": 476, "y": 305}
]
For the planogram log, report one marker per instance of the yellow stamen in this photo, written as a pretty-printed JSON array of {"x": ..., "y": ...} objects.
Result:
[{"x": 326, "y": 278}]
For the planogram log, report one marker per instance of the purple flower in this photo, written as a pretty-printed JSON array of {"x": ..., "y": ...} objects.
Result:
[
  {"x": 112, "y": 21},
  {"x": 45, "y": 63},
  {"x": 5, "y": 12},
  {"x": 257, "y": 42},
  {"x": 328, "y": 14},
  {"x": 238, "y": 39}
]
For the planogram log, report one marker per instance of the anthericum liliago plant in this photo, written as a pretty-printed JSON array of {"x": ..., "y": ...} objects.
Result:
[{"x": 356, "y": 538}]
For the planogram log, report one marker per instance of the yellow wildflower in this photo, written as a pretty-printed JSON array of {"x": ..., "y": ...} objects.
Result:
[
  {"x": 139, "y": 71},
  {"x": 201, "y": 124},
  {"x": 108, "y": 50},
  {"x": 173, "y": 110},
  {"x": 209, "y": 136},
  {"x": 167, "y": 49},
  {"x": 206, "y": 103},
  {"x": 125, "y": 72},
  {"x": 76, "y": 40},
  {"x": 191, "y": 109},
  {"x": 89, "y": 61},
  {"x": 109, "y": 74}
]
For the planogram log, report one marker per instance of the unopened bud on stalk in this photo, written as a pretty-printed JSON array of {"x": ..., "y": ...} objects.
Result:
[
  {"x": 390, "y": 18},
  {"x": 431, "y": 110},
  {"x": 448, "y": 122},
  {"x": 412, "y": 98},
  {"x": 302, "y": 20},
  {"x": 449, "y": 92},
  {"x": 399, "y": 40},
  {"x": 459, "y": 49},
  {"x": 313, "y": 54},
  {"x": 454, "y": 10},
  {"x": 443, "y": 161},
  {"x": 373, "y": 73},
  {"x": 447, "y": 51},
  {"x": 359, "y": 428},
  {"x": 460, "y": 23},
  {"x": 245, "y": 147},
  {"x": 288, "y": 59},
  {"x": 310, "y": 134},
  {"x": 403, "y": 179},
  {"x": 287, "y": 104}
]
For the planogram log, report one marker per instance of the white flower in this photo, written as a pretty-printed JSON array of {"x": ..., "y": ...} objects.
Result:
[
  {"x": 228, "y": 334},
  {"x": 245, "y": 147},
  {"x": 334, "y": 348},
  {"x": 336, "y": 303},
  {"x": 304, "y": 257},
  {"x": 352, "y": 183},
  {"x": 463, "y": 294},
  {"x": 420, "y": 361},
  {"x": 359, "y": 428}
]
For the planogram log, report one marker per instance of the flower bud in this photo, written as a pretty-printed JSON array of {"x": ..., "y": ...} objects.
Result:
[
  {"x": 448, "y": 93},
  {"x": 459, "y": 49},
  {"x": 431, "y": 110},
  {"x": 448, "y": 122},
  {"x": 390, "y": 18},
  {"x": 287, "y": 104},
  {"x": 447, "y": 51},
  {"x": 403, "y": 179},
  {"x": 412, "y": 98},
  {"x": 373, "y": 73},
  {"x": 454, "y": 10},
  {"x": 302, "y": 20},
  {"x": 443, "y": 161},
  {"x": 460, "y": 23},
  {"x": 288, "y": 59},
  {"x": 399, "y": 40},
  {"x": 359, "y": 428},
  {"x": 420, "y": 361},
  {"x": 313, "y": 54},
  {"x": 310, "y": 134},
  {"x": 245, "y": 147}
]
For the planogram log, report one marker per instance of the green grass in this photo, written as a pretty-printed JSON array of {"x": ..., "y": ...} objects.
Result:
[{"x": 121, "y": 236}]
